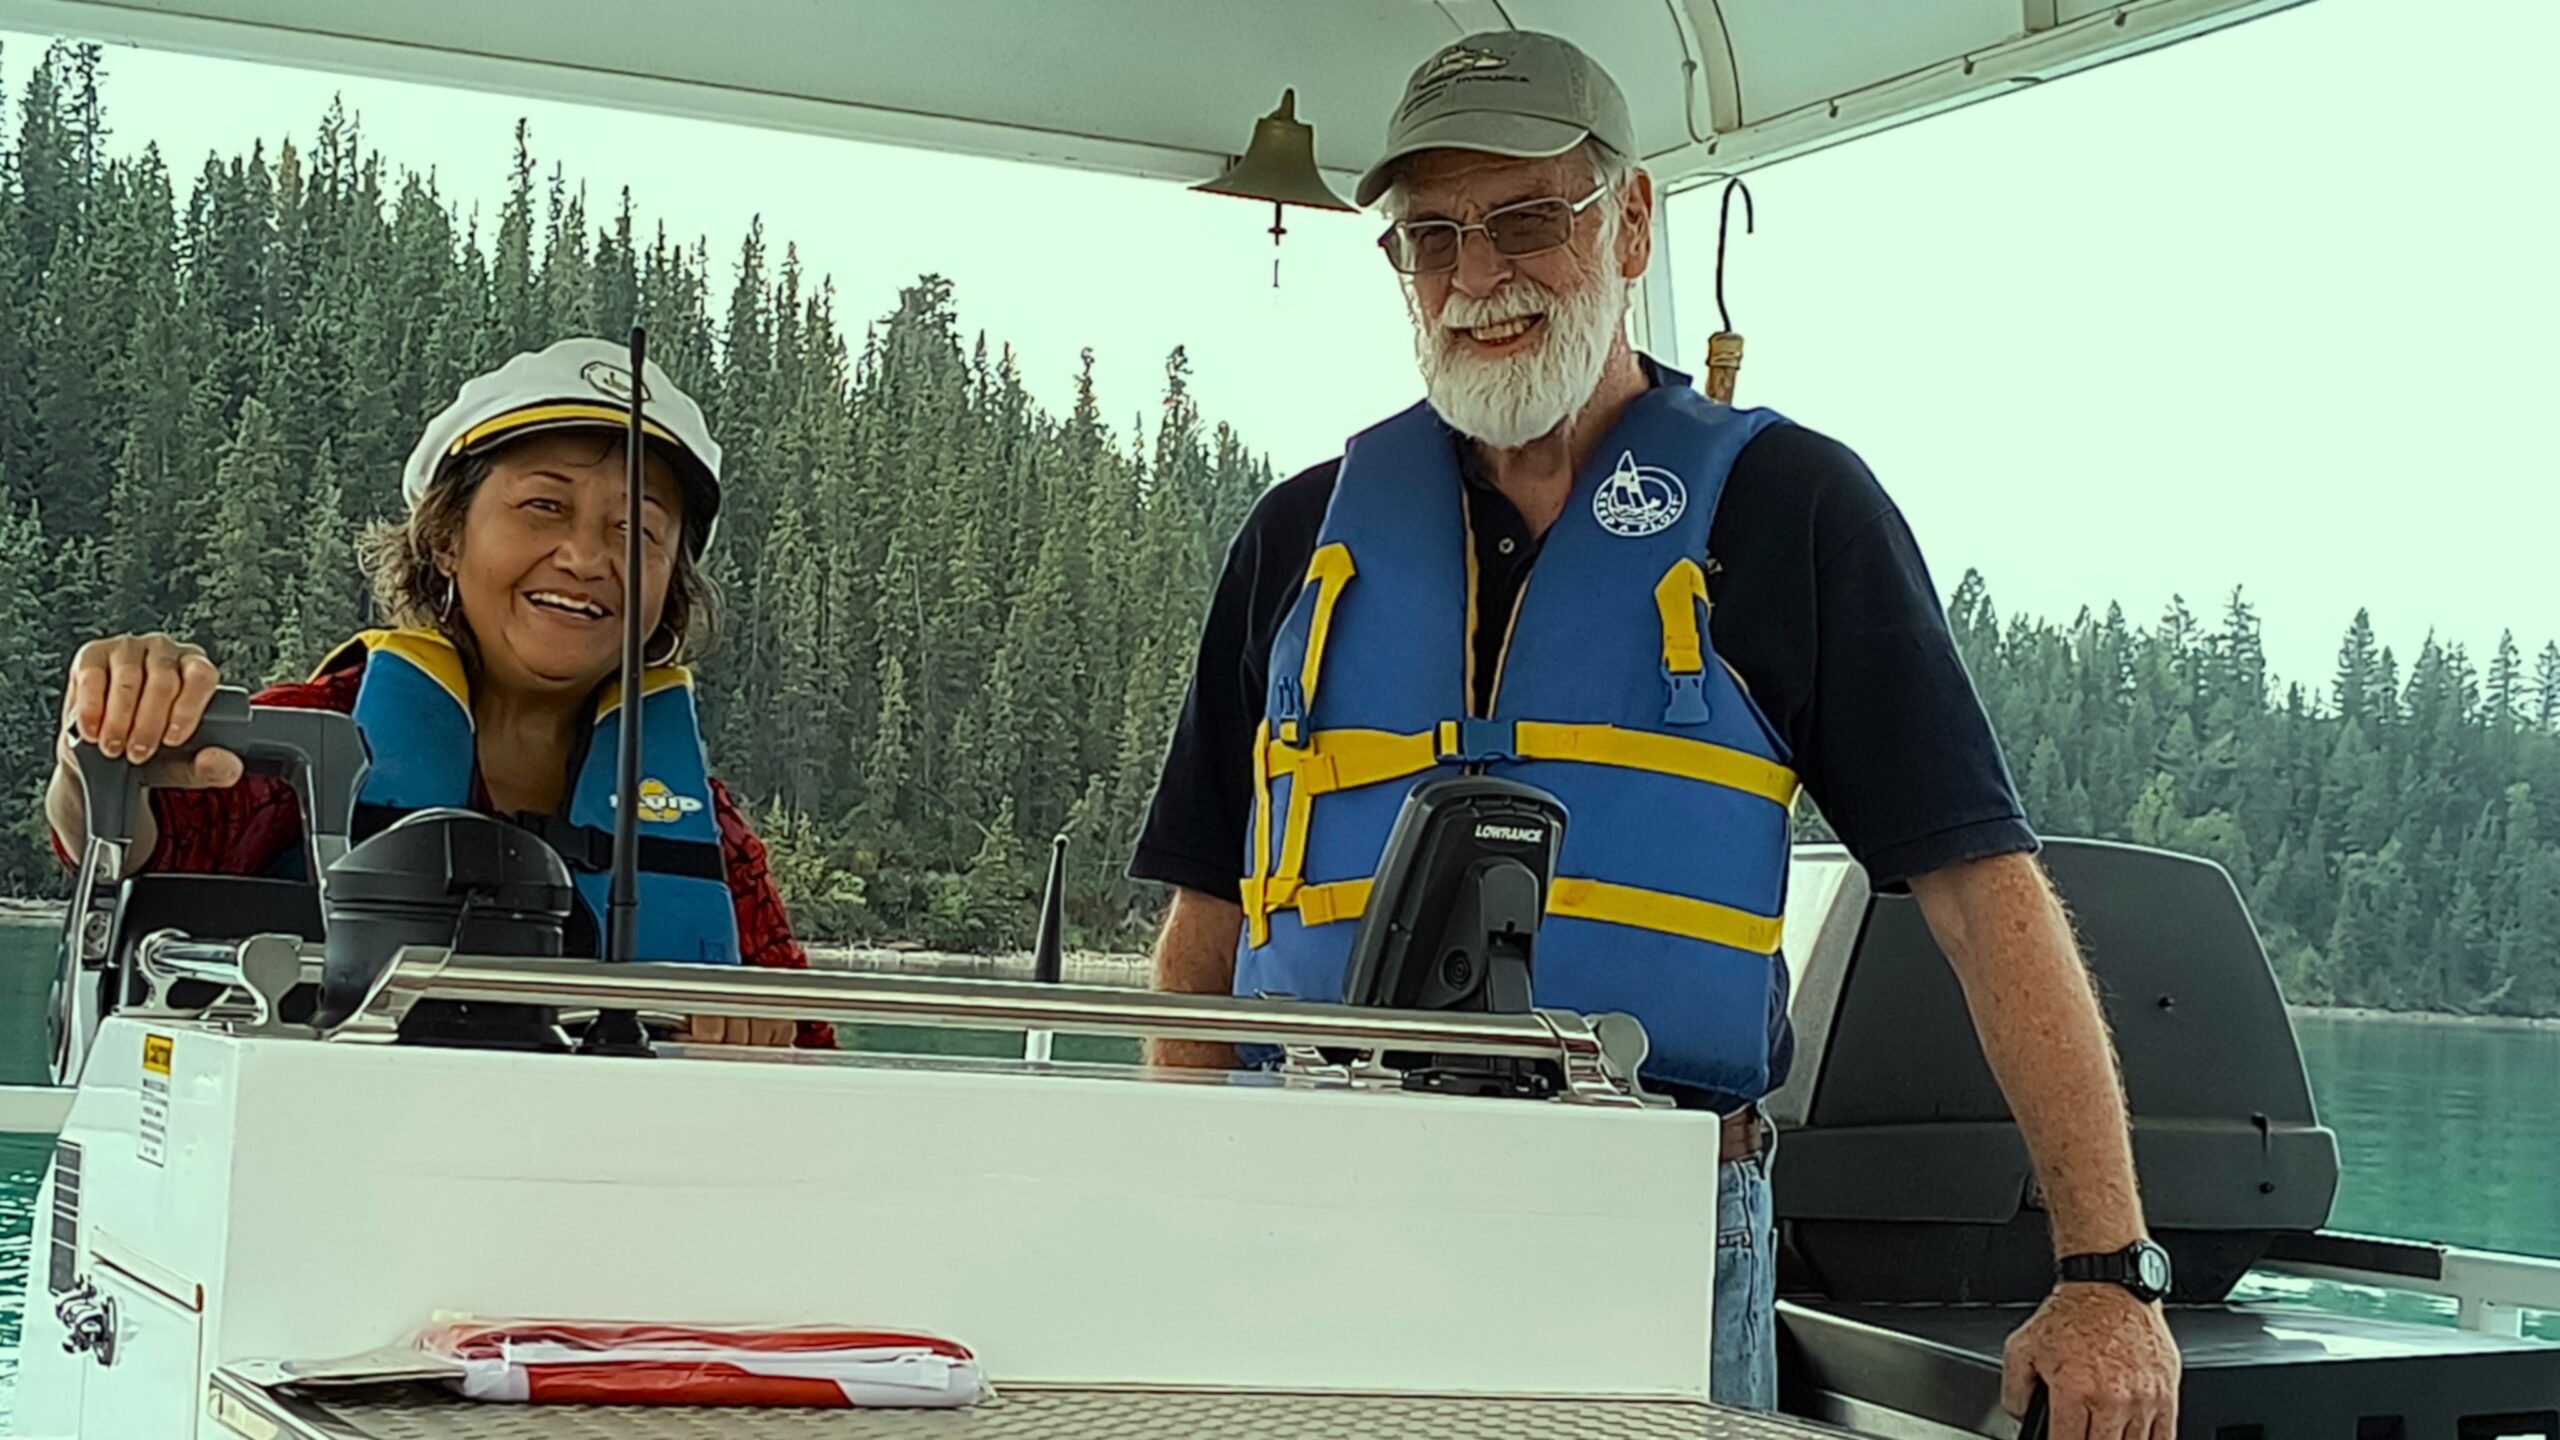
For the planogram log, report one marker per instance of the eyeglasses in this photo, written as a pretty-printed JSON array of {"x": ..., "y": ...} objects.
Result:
[{"x": 1516, "y": 232}]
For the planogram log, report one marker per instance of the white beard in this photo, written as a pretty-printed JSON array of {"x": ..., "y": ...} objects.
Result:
[{"x": 1507, "y": 401}]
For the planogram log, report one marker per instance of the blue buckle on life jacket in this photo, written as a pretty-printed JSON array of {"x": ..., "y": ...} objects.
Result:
[
  {"x": 1288, "y": 712},
  {"x": 1688, "y": 705},
  {"x": 1481, "y": 742}
]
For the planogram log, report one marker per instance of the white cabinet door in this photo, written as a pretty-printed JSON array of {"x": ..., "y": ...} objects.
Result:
[{"x": 153, "y": 1385}]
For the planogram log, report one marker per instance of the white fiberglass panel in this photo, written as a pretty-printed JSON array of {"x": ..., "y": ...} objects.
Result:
[{"x": 1069, "y": 1229}]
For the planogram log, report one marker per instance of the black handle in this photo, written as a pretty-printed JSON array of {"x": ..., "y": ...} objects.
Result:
[
  {"x": 2037, "y": 1420},
  {"x": 320, "y": 751}
]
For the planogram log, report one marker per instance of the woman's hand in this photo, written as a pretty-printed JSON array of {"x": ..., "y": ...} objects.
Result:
[
  {"x": 134, "y": 697},
  {"x": 737, "y": 1030}
]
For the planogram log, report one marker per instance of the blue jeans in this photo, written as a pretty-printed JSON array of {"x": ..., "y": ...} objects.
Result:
[{"x": 1743, "y": 1369}]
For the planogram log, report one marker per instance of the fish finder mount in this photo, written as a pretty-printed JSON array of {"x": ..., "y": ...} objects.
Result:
[{"x": 1452, "y": 922}]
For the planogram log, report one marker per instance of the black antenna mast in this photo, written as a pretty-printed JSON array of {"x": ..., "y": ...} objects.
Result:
[{"x": 618, "y": 1032}]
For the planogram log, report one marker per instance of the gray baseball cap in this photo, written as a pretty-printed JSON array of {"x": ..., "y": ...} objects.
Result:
[{"x": 1504, "y": 92}]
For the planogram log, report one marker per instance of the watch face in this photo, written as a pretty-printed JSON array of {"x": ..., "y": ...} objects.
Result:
[{"x": 2152, "y": 1263}]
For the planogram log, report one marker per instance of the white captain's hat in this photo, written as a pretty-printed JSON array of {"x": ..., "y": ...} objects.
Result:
[{"x": 582, "y": 384}]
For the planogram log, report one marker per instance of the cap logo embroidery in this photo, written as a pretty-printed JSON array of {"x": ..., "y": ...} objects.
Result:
[
  {"x": 1638, "y": 500},
  {"x": 612, "y": 380},
  {"x": 1457, "y": 60}
]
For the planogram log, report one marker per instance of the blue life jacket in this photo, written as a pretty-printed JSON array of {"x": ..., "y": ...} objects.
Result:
[
  {"x": 1672, "y": 880},
  {"x": 414, "y": 707}
]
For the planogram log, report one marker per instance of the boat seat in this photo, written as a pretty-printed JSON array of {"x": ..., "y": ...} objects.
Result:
[{"x": 1901, "y": 1175}]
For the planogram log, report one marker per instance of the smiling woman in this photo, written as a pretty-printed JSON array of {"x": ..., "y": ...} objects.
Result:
[{"x": 494, "y": 686}]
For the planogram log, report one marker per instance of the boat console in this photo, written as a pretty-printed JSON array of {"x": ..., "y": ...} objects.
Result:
[{"x": 248, "y": 1184}]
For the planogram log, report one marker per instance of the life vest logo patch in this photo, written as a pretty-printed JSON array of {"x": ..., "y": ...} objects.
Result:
[
  {"x": 662, "y": 806},
  {"x": 1638, "y": 500}
]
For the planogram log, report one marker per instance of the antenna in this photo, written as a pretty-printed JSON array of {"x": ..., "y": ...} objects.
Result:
[
  {"x": 618, "y": 1032},
  {"x": 1048, "y": 950}
]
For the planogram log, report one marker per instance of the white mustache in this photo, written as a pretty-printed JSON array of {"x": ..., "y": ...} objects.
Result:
[{"x": 1514, "y": 302}]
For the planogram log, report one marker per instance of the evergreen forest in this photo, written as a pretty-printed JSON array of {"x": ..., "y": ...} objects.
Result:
[{"x": 955, "y": 623}]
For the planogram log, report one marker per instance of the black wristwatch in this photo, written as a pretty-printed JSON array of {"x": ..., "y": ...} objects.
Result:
[{"x": 2140, "y": 1267}]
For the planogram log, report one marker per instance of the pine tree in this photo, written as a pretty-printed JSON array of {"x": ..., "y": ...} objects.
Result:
[
  {"x": 516, "y": 316},
  {"x": 240, "y": 552},
  {"x": 27, "y": 715},
  {"x": 2359, "y": 666},
  {"x": 2377, "y": 910},
  {"x": 323, "y": 608},
  {"x": 2506, "y": 685},
  {"x": 2546, "y": 690}
]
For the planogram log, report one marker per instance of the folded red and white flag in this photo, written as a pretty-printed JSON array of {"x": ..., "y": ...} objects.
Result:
[{"x": 556, "y": 1362}]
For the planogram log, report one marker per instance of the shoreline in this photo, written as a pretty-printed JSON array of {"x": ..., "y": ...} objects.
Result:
[
  {"x": 1129, "y": 971},
  {"x": 2426, "y": 1017}
]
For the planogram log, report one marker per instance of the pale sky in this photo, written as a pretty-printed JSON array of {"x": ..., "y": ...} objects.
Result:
[{"x": 2272, "y": 309}]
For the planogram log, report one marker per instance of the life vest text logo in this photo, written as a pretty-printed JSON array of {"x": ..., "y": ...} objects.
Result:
[
  {"x": 662, "y": 806},
  {"x": 1638, "y": 500}
]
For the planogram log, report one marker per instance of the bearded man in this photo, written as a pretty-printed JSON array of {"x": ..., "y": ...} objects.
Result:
[{"x": 1532, "y": 550}]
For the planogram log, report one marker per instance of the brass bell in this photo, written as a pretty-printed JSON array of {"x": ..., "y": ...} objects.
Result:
[{"x": 1279, "y": 166}]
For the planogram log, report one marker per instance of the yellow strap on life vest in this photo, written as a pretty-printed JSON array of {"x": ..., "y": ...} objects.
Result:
[
  {"x": 1585, "y": 900},
  {"x": 1257, "y": 915},
  {"x": 1348, "y": 759},
  {"x": 428, "y": 650},
  {"x": 1661, "y": 754},
  {"x": 1667, "y": 913},
  {"x": 1329, "y": 572},
  {"x": 1341, "y": 900},
  {"x": 1292, "y": 869},
  {"x": 1334, "y": 760},
  {"x": 1682, "y": 590}
]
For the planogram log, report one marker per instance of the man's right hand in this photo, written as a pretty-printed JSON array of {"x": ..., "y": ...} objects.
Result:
[
  {"x": 135, "y": 697},
  {"x": 1196, "y": 955}
]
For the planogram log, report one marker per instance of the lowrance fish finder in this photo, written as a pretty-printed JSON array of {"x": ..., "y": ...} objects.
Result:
[{"x": 1452, "y": 920}]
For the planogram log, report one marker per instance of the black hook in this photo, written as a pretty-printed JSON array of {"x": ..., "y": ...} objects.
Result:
[{"x": 1724, "y": 227}]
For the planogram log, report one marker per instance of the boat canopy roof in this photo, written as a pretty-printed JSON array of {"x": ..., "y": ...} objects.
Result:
[{"x": 1170, "y": 88}]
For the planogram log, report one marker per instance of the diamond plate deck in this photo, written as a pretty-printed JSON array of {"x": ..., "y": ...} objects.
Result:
[{"x": 420, "y": 1412}]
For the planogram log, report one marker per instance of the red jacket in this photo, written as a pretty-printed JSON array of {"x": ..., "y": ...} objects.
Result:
[{"x": 238, "y": 831}]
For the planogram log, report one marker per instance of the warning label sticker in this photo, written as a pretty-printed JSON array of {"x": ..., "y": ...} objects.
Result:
[{"x": 151, "y": 1135}]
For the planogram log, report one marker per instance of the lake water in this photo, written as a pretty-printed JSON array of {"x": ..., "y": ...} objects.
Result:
[{"x": 2446, "y": 1132}]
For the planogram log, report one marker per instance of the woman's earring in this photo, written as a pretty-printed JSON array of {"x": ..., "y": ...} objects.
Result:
[{"x": 452, "y": 595}]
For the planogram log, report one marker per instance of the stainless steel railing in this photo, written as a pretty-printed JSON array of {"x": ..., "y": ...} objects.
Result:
[{"x": 1597, "y": 1058}]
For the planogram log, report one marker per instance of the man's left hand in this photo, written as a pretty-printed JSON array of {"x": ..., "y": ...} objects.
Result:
[{"x": 2109, "y": 1367}]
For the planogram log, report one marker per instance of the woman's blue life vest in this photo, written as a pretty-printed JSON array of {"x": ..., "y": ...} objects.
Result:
[
  {"x": 1671, "y": 885},
  {"x": 414, "y": 707}
]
